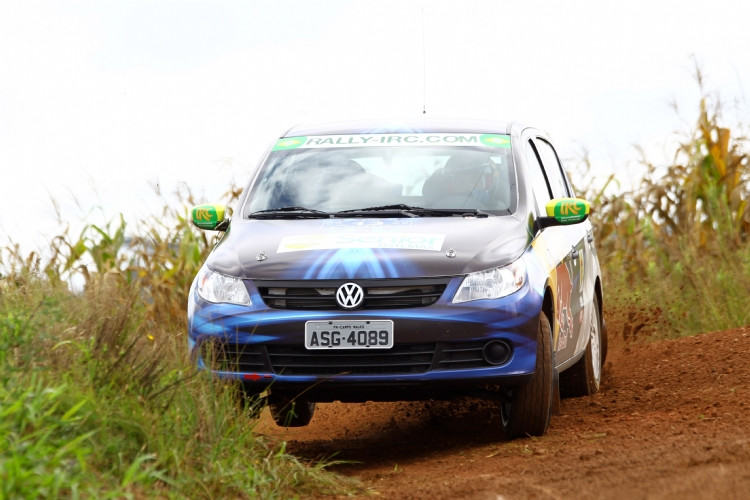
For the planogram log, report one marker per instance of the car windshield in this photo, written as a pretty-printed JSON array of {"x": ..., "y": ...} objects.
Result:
[{"x": 355, "y": 175}]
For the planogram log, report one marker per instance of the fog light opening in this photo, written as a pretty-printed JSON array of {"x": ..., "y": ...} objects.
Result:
[{"x": 496, "y": 352}]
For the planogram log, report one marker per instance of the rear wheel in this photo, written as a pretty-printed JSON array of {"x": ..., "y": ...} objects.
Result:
[
  {"x": 584, "y": 377},
  {"x": 526, "y": 409},
  {"x": 290, "y": 412}
]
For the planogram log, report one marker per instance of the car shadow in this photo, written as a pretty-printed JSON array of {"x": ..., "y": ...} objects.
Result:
[{"x": 369, "y": 434}]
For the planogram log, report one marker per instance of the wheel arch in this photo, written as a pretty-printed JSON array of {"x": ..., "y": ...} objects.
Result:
[
  {"x": 548, "y": 308},
  {"x": 603, "y": 324}
]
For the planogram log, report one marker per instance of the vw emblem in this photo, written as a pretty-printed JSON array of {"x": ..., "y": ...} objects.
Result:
[{"x": 350, "y": 295}]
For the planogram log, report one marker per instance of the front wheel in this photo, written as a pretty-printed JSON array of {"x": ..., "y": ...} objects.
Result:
[
  {"x": 526, "y": 409},
  {"x": 290, "y": 412},
  {"x": 250, "y": 400}
]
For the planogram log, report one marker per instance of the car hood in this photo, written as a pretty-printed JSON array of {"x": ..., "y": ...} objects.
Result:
[{"x": 368, "y": 248}]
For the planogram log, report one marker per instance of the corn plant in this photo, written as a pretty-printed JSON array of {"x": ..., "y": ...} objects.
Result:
[{"x": 675, "y": 248}]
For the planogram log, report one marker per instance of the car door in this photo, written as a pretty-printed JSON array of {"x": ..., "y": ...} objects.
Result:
[{"x": 565, "y": 248}]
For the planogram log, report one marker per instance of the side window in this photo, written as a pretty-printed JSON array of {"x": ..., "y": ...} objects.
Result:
[
  {"x": 553, "y": 169},
  {"x": 538, "y": 179}
]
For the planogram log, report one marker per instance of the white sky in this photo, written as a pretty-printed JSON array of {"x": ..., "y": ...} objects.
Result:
[{"x": 98, "y": 99}]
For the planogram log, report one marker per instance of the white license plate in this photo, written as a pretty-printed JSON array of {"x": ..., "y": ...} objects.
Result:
[{"x": 345, "y": 334}]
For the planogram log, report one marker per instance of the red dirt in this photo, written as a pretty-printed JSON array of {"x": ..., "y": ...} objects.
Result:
[{"x": 671, "y": 421}]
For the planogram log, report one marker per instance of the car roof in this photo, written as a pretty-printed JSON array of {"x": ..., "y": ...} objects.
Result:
[{"x": 404, "y": 125}]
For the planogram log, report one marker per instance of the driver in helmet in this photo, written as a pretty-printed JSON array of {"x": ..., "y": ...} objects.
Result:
[{"x": 469, "y": 175}]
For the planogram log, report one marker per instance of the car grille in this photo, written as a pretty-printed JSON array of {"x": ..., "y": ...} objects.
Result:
[
  {"x": 461, "y": 356},
  {"x": 416, "y": 358},
  {"x": 379, "y": 294},
  {"x": 294, "y": 360}
]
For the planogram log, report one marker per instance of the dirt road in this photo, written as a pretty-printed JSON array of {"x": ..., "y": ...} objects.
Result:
[{"x": 672, "y": 421}]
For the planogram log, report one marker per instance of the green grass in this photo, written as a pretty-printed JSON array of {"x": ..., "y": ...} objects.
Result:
[
  {"x": 696, "y": 292},
  {"x": 96, "y": 402}
]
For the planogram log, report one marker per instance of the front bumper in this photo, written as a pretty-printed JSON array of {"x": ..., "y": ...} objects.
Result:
[{"x": 440, "y": 350}]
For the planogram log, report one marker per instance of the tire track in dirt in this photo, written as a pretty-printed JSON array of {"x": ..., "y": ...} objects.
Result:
[{"x": 671, "y": 421}]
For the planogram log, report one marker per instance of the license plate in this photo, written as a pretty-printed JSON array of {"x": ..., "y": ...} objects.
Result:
[{"x": 345, "y": 334}]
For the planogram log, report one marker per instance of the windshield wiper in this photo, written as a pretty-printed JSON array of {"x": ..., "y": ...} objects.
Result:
[
  {"x": 289, "y": 213},
  {"x": 449, "y": 212},
  {"x": 398, "y": 208},
  {"x": 410, "y": 211}
]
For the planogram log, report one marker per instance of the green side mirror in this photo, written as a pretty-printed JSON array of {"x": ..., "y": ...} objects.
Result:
[
  {"x": 209, "y": 216},
  {"x": 563, "y": 211},
  {"x": 568, "y": 210}
]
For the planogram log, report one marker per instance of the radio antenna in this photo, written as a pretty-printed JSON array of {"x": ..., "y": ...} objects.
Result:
[{"x": 424, "y": 70}]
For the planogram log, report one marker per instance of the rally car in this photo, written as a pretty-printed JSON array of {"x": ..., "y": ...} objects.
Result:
[{"x": 404, "y": 260}]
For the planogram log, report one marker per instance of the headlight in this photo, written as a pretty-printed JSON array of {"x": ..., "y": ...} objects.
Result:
[
  {"x": 215, "y": 287},
  {"x": 492, "y": 284}
]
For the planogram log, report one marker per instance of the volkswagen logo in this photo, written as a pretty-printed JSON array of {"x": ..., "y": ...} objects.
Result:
[{"x": 350, "y": 295}]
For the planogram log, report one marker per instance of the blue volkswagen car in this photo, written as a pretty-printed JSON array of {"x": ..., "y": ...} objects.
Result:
[{"x": 404, "y": 260}]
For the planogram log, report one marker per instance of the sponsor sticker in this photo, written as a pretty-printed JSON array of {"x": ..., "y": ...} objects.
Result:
[
  {"x": 360, "y": 140},
  {"x": 373, "y": 224},
  {"x": 412, "y": 241},
  {"x": 289, "y": 143}
]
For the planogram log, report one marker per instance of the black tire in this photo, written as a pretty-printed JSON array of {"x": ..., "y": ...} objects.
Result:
[
  {"x": 251, "y": 400},
  {"x": 526, "y": 409},
  {"x": 584, "y": 378},
  {"x": 290, "y": 412}
]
